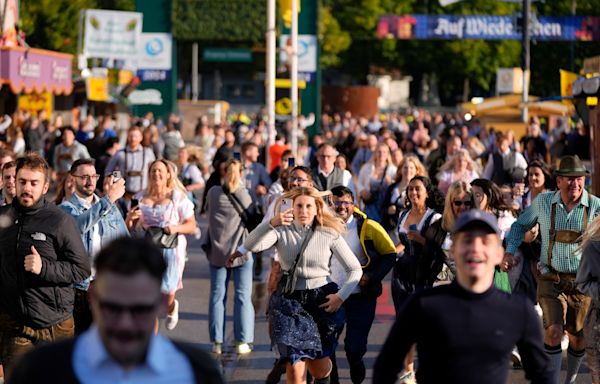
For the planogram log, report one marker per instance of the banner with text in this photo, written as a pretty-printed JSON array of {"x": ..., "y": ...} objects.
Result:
[
  {"x": 112, "y": 34},
  {"x": 486, "y": 27}
]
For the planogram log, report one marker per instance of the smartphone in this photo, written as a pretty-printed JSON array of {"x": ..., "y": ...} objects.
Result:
[
  {"x": 285, "y": 205},
  {"x": 412, "y": 227},
  {"x": 292, "y": 162},
  {"x": 237, "y": 156},
  {"x": 134, "y": 203},
  {"x": 116, "y": 175}
]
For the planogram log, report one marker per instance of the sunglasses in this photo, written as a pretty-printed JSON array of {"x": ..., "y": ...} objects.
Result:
[{"x": 459, "y": 203}]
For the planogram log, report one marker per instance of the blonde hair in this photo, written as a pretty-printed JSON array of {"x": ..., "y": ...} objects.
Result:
[
  {"x": 449, "y": 165},
  {"x": 325, "y": 216},
  {"x": 455, "y": 189},
  {"x": 173, "y": 182},
  {"x": 421, "y": 171},
  {"x": 592, "y": 233},
  {"x": 233, "y": 175}
]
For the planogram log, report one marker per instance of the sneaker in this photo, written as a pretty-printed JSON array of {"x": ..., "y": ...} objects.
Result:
[
  {"x": 407, "y": 377},
  {"x": 243, "y": 349},
  {"x": 173, "y": 317},
  {"x": 516, "y": 359},
  {"x": 217, "y": 348}
]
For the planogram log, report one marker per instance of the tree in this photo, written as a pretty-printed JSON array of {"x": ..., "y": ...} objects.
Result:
[
  {"x": 332, "y": 38},
  {"x": 54, "y": 24}
]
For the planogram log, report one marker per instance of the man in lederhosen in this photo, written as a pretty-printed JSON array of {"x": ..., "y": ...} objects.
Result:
[{"x": 563, "y": 216}]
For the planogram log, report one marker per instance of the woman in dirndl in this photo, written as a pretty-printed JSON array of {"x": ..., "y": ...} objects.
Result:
[{"x": 303, "y": 312}]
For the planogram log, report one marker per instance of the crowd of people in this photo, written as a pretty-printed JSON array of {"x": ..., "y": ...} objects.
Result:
[{"x": 399, "y": 193}]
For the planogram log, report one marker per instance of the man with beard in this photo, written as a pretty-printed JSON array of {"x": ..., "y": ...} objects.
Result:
[
  {"x": 99, "y": 221},
  {"x": 41, "y": 256},
  {"x": 564, "y": 216},
  {"x": 376, "y": 253},
  {"x": 122, "y": 346},
  {"x": 9, "y": 177}
]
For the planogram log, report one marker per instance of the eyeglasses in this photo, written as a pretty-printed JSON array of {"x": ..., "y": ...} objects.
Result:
[
  {"x": 459, "y": 203},
  {"x": 137, "y": 311},
  {"x": 87, "y": 177},
  {"x": 342, "y": 203},
  {"x": 297, "y": 180}
]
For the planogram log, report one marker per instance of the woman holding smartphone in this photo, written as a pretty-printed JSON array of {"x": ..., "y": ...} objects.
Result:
[
  {"x": 304, "y": 310},
  {"x": 424, "y": 201}
]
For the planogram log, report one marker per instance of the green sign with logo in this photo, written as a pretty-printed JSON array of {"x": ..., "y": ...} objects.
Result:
[{"x": 227, "y": 55}]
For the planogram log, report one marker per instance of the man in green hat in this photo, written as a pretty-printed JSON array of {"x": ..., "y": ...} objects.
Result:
[{"x": 563, "y": 216}]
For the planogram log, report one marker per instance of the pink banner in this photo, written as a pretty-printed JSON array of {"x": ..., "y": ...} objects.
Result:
[{"x": 36, "y": 70}]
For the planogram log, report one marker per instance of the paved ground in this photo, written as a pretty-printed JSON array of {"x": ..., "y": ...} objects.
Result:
[{"x": 253, "y": 368}]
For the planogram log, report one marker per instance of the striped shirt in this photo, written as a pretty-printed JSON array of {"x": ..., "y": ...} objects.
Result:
[
  {"x": 313, "y": 269},
  {"x": 565, "y": 257}
]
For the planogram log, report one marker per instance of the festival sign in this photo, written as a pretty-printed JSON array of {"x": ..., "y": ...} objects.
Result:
[
  {"x": 36, "y": 70},
  {"x": 112, "y": 34},
  {"x": 486, "y": 27}
]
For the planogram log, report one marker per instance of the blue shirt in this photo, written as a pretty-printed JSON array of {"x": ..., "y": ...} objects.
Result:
[{"x": 164, "y": 363}]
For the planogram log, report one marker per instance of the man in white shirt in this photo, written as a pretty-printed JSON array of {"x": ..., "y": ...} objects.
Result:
[{"x": 122, "y": 346}]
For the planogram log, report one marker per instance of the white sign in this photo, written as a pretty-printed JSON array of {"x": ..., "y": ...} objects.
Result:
[
  {"x": 145, "y": 97},
  {"x": 307, "y": 51},
  {"x": 155, "y": 51},
  {"x": 112, "y": 34},
  {"x": 509, "y": 80}
]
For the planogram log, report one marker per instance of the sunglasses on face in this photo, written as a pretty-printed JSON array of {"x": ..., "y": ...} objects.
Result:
[{"x": 459, "y": 203}]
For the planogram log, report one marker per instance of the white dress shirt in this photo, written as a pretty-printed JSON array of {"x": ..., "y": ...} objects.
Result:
[{"x": 164, "y": 363}]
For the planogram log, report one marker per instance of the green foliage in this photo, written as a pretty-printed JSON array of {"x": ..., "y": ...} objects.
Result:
[
  {"x": 221, "y": 20},
  {"x": 333, "y": 40},
  {"x": 54, "y": 24}
]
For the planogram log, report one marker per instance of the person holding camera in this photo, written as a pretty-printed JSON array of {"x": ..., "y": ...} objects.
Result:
[
  {"x": 303, "y": 312},
  {"x": 99, "y": 221},
  {"x": 165, "y": 215},
  {"x": 373, "y": 179}
]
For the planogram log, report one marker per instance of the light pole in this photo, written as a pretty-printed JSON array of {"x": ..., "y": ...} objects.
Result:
[{"x": 525, "y": 57}]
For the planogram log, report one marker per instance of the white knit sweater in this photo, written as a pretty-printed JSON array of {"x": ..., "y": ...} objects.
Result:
[{"x": 313, "y": 269}]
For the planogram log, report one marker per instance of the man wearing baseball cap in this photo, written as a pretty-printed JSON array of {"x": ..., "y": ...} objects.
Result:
[
  {"x": 563, "y": 216},
  {"x": 465, "y": 331}
]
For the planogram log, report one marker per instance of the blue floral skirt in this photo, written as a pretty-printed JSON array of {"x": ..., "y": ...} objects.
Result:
[{"x": 302, "y": 330}]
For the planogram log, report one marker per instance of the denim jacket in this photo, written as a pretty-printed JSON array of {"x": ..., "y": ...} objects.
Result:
[{"x": 104, "y": 213}]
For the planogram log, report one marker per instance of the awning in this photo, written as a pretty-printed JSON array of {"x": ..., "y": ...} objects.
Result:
[{"x": 36, "y": 70}]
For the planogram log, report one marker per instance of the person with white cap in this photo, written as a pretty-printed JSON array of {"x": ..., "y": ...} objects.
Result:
[{"x": 478, "y": 323}]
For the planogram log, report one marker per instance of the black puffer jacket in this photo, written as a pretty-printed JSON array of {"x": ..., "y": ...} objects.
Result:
[{"x": 40, "y": 301}]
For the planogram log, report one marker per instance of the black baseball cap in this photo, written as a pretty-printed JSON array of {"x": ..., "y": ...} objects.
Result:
[{"x": 476, "y": 216}]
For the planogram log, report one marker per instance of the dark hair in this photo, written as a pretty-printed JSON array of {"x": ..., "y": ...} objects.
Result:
[
  {"x": 435, "y": 198},
  {"x": 8, "y": 165},
  {"x": 305, "y": 170},
  {"x": 549, "y": 180},
  {"x": 494, "y": 196},
  {"x": 247, "y": 145},
  {"x": 35, "y": 161},
  {"x": 128, "y": 256},
  {"x": 79, "y": 162},
  {"x": 68, "y": 128},
  {"x": 341, "y": 190},
  {"x": 110, "y": 142}
]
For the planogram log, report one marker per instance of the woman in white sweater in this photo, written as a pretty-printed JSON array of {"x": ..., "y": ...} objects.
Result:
[{"x": 303, "y": 312}]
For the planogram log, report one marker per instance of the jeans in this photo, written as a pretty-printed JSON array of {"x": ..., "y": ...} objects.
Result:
[
  {"x": 243, "y": 310},
  {"x": 360, "y": 313}
]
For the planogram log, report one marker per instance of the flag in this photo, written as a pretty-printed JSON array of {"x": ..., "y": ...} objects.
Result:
[{"x": 566, "y": 83}]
